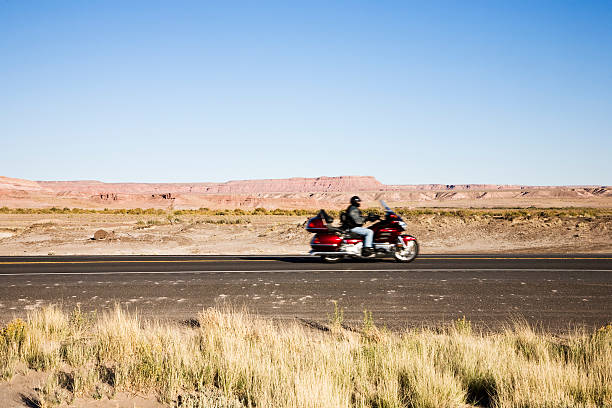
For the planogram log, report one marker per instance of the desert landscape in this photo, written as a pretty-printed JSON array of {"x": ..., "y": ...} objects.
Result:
[
  {"x": 193, "y": 233},
  {"x": 268, "y": 216},
  {"x": 160, "y": 163},
  {"x": 209, "y": 352},
  {"x": 293, "y": 193}
]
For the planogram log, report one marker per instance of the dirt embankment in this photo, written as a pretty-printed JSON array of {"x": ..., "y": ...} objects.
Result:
[{"x": 472, "y": 231}]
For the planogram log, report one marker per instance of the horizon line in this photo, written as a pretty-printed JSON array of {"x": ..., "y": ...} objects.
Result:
[{"x": 308, "y": 178}]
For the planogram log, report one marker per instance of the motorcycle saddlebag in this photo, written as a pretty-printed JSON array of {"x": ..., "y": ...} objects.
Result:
[{"x": 325, "y": 242}]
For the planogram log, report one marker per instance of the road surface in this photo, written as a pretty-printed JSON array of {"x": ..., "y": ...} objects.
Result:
[{"x": 554, "y": 291}]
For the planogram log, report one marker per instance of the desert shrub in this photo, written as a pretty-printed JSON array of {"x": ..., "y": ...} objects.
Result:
[
  {"x": 463, "y": 326},
  {"x": 500, "y": 213},
  {"x": 337, "y": 317},
  {"x": 12, "y": 339},
  {"x": 224, "y": 221},
  {"x": 173, "y": 220},
  {"x": 141, "y": 224}
]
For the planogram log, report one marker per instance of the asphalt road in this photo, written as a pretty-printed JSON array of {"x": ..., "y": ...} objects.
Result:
[{"x": 554, "y": 291}]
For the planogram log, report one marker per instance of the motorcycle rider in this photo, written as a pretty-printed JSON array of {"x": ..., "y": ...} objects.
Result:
[{"x": 355, "y": 220}]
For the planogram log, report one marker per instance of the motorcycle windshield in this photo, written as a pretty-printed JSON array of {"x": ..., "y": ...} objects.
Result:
[
  {"x": 390, "y": 211},
  {"x": 385, "y": 206}
]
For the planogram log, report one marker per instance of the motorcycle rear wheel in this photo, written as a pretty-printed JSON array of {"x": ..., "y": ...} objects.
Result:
[
  {"x": 331, "y": 258},
  {"x": 407, "y": 254}
]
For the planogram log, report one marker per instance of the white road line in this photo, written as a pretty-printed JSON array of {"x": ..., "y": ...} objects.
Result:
[{"x": 300, "y": 271}]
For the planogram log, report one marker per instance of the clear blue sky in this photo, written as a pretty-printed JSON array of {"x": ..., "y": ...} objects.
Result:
[{"x": 423, "y": 92}]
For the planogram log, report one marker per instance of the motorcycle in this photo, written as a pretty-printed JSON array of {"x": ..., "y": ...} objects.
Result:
[{"x": 333, "y": 244}]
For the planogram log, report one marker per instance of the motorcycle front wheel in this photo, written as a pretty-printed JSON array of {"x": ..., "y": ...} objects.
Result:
[
  {"x": 407, "y": 254},
  {"x": 331, "y": 258}
]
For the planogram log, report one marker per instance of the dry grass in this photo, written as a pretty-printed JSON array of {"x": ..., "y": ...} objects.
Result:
[
  {"x": 159, "y": 212},
  {"x": 230, "y": 358},
  {"x": 469, "y": 213}
]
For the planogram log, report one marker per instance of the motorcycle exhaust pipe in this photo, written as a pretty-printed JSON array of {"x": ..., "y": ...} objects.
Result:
[{"x": 331, "y": 253}]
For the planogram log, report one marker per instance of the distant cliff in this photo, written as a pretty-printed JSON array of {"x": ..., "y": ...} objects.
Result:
[
  {"x": 332, "y": 192},
  {"x": 291, "y": 185}
]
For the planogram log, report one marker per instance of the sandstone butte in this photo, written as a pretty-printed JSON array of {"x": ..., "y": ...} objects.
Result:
[{"x": 320, "y": 192}]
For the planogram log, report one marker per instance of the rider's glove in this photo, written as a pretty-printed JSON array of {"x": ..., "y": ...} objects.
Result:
[{"x": 373, "y": 217}]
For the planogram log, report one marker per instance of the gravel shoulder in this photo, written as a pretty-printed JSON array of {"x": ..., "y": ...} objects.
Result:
[{"x": 72, "y": 234}]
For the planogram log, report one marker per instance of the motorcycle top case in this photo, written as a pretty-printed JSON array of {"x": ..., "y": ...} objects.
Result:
[{"x": 315, "y": 225}]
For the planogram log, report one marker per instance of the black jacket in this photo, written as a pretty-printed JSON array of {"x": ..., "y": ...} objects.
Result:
[{"x": 354, "y": 218}]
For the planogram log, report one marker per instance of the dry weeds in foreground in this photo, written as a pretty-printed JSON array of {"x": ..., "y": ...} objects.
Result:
[{"x": 234, "y": 359}]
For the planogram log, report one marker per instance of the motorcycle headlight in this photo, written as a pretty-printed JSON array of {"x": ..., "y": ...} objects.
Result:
[{"x": 403, "y": 224}]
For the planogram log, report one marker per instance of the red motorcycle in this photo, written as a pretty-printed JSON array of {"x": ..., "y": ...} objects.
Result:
[{"x": 333, "y": 244}]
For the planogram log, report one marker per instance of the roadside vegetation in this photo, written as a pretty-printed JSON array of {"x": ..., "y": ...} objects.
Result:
[
  {"x": 171, "y": 220},
  {"x": 473, "y": 213},
  {"x": 227, "y": 358}
]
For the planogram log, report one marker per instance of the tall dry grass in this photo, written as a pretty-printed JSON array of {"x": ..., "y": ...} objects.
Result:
[{"x": 232, "y": 359}]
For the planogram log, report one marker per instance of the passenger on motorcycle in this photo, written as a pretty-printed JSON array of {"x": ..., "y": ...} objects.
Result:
[{"x": 355, "y": 220}]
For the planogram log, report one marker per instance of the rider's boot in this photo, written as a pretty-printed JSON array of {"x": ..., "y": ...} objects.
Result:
[{"x": 367, "y": 252}]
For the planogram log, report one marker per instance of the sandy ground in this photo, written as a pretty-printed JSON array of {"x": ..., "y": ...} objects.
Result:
[
  {"x": 71, "y": 234},
  {"x": 22, "y": 391}
]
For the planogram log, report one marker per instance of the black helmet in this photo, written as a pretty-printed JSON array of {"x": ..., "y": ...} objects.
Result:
[{"x": 356, "y": 201}]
